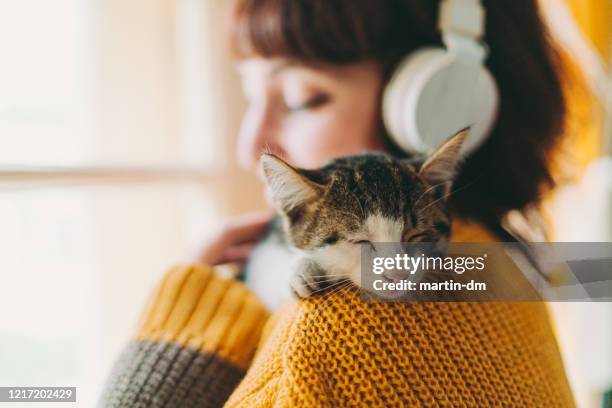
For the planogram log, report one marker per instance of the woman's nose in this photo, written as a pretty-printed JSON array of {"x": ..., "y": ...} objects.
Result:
[{"x": 258, "y": 133}]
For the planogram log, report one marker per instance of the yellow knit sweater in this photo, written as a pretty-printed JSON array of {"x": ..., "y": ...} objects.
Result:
[{"x": 336, "y": 351}]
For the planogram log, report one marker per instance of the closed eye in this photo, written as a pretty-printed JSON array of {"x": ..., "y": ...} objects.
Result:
[
  {"x": 330, "y": 240},
  {"x": 362, "y": 241},
  {"x": 312, "y": 103},
  {"x": 419, "y": 236},
  {"x": 442, "y": 227}
]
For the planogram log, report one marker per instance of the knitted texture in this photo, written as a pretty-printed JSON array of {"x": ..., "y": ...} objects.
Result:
[
  {"x": 196, "y": 339},
  {"x": 338, "y": 351}
]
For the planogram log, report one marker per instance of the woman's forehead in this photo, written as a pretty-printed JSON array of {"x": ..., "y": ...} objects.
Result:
[{"x": 271, "y": 68}]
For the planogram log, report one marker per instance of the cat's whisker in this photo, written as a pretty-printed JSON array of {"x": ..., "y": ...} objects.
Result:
[
  {"x": 328, "y": 278},
  {"x": 328, "y": 287},
  {"x": 340, "y": 289},
  {"x": 329, "y": 274},
  {"x": 317, "y": 311},
  {"x": 427, "y": 191},
  {"x": 368, "y": 316},
  {"x": 320, "y": 281},
  {"x": 330, "y": 299},
  {"x": 331, "y": 279},
  {"x": 440, "y": 199},
  {"x": 363, "y": 214},
  {"x": 451, "y": 193},
  {"x": 335, "y": 297}
]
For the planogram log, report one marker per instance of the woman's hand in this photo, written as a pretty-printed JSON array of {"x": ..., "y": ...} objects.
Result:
[{"x": 235, "y": 240}]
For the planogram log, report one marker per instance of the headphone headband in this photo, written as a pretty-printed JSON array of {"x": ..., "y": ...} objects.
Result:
[
  {"x": 462, "y": 25},
  {"x": 437, "y": 91},
  {"x": 463, "y": 17}
]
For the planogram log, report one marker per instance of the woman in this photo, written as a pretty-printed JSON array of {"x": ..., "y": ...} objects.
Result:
[{"x": 313, "y": 73}]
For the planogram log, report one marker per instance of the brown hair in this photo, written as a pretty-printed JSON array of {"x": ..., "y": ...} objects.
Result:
[{"x": 510, "y": 171}]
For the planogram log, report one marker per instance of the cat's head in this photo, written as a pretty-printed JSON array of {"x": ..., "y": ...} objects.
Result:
[{"x": 368, "y": 198}]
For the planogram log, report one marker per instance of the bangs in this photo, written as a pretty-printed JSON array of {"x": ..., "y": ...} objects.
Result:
[{"x": 332, "y": 31}]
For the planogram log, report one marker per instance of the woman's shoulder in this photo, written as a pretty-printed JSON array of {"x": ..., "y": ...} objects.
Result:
[{"x": 337, "y": 349}]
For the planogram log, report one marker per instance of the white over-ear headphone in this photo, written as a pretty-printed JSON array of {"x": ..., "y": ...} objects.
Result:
[{"x": 436, "y": 91}]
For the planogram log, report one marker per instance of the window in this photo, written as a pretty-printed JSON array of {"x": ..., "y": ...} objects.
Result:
[
  {"x": 46, "y": 82},
  {"x": 111, "y": 167}
]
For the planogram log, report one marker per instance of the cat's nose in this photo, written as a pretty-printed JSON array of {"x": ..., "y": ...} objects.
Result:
[{"x": 396, "y": 275}]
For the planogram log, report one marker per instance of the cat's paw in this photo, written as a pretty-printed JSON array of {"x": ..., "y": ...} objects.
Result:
[
  {"x": 302, "y": 286},
  {"x": 308, "y": 279}
]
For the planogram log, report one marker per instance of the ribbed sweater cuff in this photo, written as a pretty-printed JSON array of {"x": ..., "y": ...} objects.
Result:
[{"x": 196, "y": 339}]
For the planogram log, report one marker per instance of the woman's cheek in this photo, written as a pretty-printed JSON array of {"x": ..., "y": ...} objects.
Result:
[
  {"x": 313, "y": 140},
  {"x": 342, "y": 136}
]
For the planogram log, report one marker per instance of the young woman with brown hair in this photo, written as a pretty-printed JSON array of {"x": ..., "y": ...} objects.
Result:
[{"x": 314, "y": 72}]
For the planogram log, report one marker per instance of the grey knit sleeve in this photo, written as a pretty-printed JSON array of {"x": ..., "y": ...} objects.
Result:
[{"x": 195, "y": 342}]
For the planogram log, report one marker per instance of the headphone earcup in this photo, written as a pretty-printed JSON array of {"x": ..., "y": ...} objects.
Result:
[{"x": 433, "y": 94}]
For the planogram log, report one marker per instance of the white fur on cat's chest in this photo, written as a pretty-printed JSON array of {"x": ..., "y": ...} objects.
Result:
[{"x": 269, "y": 272}]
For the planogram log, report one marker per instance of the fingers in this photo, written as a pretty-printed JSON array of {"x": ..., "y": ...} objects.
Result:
[
  {"x": 234, "y": 242},
  {"x": 237, "y": 253},
  {"x": 244, "y": 229}
]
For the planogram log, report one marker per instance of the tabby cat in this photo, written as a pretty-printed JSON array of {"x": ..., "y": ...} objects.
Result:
[{"x": 368, "y": 198}]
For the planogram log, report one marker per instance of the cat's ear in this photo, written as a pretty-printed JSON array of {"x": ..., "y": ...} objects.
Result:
[
  {"x": 440, "y": 168},
  {"x": 288, "y": 186}
]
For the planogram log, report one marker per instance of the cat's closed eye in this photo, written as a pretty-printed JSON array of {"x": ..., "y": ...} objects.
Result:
[
  {"x": 423, "y": 236},
  {"x": 331, "y": 239},
  {"x": 362, "y": 242}
]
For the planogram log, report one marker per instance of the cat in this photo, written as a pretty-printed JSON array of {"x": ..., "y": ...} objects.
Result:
[{"x": 328, "y": 213}]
